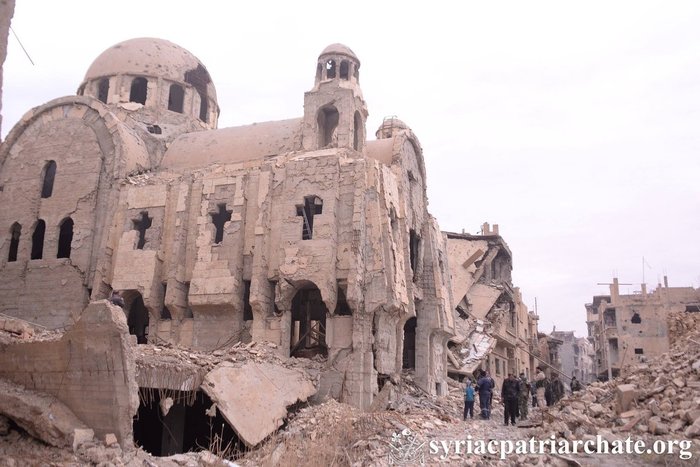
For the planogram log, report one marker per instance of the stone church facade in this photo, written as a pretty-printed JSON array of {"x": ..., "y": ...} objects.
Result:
[{"x": 299, "y": 232}]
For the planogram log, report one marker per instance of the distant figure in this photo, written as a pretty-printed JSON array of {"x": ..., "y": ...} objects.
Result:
[
  {"x": 524, "y": 396},
  {"x": 557, "y": 389},
  {"x": 540, "y": 384},
  {"x": 509, "y": 394},
  {"x": 469, "y": 400},
  {"x": 533, "y": 392},
  {"x": 485, "y": 388},
  {"x": 116, "y": 299},
  {"x": 575, "y": 385}
]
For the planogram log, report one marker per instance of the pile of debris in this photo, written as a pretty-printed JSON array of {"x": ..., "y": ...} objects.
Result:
[
  {"x": 659, "y": 398},
  {"x": 13, "y": 329}
]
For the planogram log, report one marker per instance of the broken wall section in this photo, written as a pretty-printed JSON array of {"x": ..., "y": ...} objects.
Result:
[{"x": 90, "y": 369}]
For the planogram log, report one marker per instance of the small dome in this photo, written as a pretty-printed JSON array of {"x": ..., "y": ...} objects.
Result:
[
  {"x": 145, "y": 56},
  {"x": 389, "y": 126},
  {"x": 339, "y": 49}
]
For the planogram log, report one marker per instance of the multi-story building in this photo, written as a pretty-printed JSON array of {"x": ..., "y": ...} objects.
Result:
[
  {"x": 494, "y": 329},
  {"x": 625, "y": 329},
  {"x": 575, "y": 354}
]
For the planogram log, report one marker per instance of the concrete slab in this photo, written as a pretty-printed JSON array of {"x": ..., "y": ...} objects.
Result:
[{"x": 254, "y": 397}]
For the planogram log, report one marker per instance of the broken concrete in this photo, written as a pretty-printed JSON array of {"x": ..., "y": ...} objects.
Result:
[
  {"x": 40, "y": 415},
  {"x": 90, "y": 369},
  {"x": 254, "y": 397}
]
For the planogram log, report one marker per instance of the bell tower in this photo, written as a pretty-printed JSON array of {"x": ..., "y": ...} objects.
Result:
[{"x": 335, "y": 112}]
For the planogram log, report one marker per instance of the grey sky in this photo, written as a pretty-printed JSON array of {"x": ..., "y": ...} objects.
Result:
[{"x": 576, "y": 128}]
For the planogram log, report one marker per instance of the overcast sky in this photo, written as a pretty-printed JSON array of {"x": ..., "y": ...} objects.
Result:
[{"x": 576, "y": 128}]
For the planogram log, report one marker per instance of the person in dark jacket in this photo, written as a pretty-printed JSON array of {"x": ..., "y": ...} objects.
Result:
[
  {"x": 557, "y": 389},
  {"x": 116, "y": 299},
  {"x": 575, "y": 385},
  {"x": 509, "y": 394},
  {"x": 485, "y": 388}
]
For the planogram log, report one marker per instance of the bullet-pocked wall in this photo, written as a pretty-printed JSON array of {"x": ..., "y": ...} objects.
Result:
[{"x": 299, "y": 232}]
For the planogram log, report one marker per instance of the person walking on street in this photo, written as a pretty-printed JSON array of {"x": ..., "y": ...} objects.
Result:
[
  {"x": 540, "y": 383},
  {"x": 469, "y": 400},
  {"x": 575, "y": 385},
  {"x": 485, "y": 388},
  {"x": 509, "y": 394},
  {"x": 524, "y": 396}
]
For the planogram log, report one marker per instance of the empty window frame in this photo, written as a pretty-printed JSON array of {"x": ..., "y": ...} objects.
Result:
[
  {"x": 65, "y": 238},
  {"x": 139, "y": 90},
  {"x": 219, "y": 219},
  {"x": 344, "y": 70},
  {"x": 15, "y": 233},
  {"x": 48, "y": 179},
  {"x": 176, "y": 98},
  {"x": 38, "y": 240},
  {"x": 312, "y": 206},
  {"x": 103, "y": 90},
  {"x": 636, "y": 319},
  {"x": 330, "y": 69},
  {"x": 142, "y": 224}
]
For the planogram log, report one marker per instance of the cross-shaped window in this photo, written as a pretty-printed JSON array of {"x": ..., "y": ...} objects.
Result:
[
  {"x": 219, "y": 219},
  {"x": 142, "y": 224},
  {"x": 312, "y": 205}
]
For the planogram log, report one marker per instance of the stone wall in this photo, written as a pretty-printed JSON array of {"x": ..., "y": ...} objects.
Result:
[{"x": 90, "y": 369}]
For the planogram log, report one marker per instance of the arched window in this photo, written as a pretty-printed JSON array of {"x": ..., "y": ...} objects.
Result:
[
  {"x": 15, "y": 232},
  {"x": 176, "y": 98},
  {"x": 357, "y": 136},
  {"x": 49, "y": 176},
  {"x": 327, "y": 122},
  {"x": 330, "y": 69},
  {"x": 65, "y": 238},
  {"x": 103, "y": 90},
  {"x": 139, "y": 90},
  {"x": 344, "y": 70},
  {"x": 203, "y": 107},
  {"x": 38, "y": 240}
]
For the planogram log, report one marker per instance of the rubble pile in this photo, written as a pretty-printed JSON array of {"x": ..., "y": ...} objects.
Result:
[
  {"x": 660, "y": 397},
  {"x": 14, "y": 329}
]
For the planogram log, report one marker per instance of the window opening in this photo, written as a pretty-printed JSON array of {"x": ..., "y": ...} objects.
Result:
[
  {"x": 357, "y": 135},
  {"x": 636, "y": 319},
  {"x": 409, "y": 343},
  {"x": 138, "y": 319},
  {"x": 139, "y": 90},
  {"x": 219, "y": 219},
  {"x": 49, "y": 176},
  {"x": 203, "y": 107},
  {"x": 15, "y": 233},
  {"x": 328, "y": 118},
  {"x": 164, "y": 310},
  {"x": 38, "y": 240},
  {"x": 312, "y": 206},
  {"x": 65, "y": 238},
  {"x": 639, "y": 351},
  {"x": 142, "y": 224},
  {"x": 414, "y": 245},
  {"x": 103, "y": 90},
  {"x": 344, "y": 70},
  {"x": 342, "y": 308},
  {"x": 176, "y": 98},
  {"x": 247, "y": 309},
  {"x": 330, "y": 69}
]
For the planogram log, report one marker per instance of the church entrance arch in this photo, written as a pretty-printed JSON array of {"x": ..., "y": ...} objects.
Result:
[{"x": 308, "y": 323}]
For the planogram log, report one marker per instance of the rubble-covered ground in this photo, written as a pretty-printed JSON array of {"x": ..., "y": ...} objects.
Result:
[{"x": 404, "y": 417}]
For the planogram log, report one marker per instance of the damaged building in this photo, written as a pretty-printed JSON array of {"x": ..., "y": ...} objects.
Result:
[
  {"x": 494, "y": 330},
  {"x": 301, "y": 233},
  {"x": 626, "y": 329}
]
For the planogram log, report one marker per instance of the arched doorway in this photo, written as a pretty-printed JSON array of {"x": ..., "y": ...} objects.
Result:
[
  {"x": 137, "y": 316},
  {"x": 308, "y": 324},
  {"x": 409, "y": 343}
]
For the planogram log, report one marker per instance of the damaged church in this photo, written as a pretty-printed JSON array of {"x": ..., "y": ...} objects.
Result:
[{"x": 301, "y": 233}]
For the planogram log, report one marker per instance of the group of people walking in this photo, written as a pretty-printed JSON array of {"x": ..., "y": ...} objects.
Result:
[{"x": 515, "y": 394}]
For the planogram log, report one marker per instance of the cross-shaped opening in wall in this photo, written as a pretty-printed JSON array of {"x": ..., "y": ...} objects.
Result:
[
  {"x": 142, "y": 224},
  {"x": 219, "y": 219},
  {"x": 312, "y": 205}
]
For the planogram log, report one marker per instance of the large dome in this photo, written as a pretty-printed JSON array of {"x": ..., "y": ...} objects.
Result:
[{"x": 146, "y": 56}]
